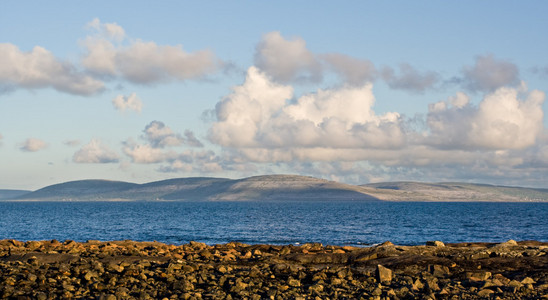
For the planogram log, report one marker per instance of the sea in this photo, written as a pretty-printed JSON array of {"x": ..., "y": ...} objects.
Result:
[{"x": 282, "y": 223}]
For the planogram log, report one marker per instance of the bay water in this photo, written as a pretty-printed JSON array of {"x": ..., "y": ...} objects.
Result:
[{"x": 329, "y": 223}]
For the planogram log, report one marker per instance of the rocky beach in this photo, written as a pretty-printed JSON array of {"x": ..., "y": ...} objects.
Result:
[{"x": 152, "y": 270}]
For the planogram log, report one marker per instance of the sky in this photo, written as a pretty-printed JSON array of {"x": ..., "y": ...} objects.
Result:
[{"x": 353, "y": 91}]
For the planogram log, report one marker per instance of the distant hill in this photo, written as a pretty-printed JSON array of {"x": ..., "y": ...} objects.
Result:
[
  {"x": 10, "y": 194},
  {"x": 269, "y": 187},
  {"x": 454, "y": 192},
  {"x": 273, "y": 188}
]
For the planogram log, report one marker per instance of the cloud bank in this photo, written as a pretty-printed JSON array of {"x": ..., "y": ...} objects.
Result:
[{"x": 336, "y": 131}]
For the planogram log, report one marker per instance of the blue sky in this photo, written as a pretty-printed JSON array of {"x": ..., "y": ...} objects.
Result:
[{"x": 361, "y": 92}]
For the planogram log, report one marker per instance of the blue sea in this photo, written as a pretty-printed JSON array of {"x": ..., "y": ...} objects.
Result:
[{"x": 329, "y": 223}]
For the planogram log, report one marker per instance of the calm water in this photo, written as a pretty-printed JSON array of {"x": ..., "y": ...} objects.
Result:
[{"x": 335, "y": 223}]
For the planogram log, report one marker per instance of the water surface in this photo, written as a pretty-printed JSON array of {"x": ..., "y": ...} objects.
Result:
[{"x": 335, "y": 223}]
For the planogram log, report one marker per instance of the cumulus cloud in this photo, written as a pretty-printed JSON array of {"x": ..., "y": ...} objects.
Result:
[
  {"x": 287, "y": 60},
  {"x": 40, "y": 69},
  {"x": 95, "y": 152},
  {"x": 489, "y": 74},
  {"x": 111, "y": 53},
  {"x": 131, "y": 102},
  {"x": 500, "y": 121},
  {"x": 409, "y": 78},
  {"x": 259, "y": 119},
  {"x": 33, "y": 145},
  {"x": 336, "y": 134}
]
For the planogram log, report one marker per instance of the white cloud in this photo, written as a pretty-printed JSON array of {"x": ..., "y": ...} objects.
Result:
[
  {"x": 500, "y": 121},
  {"x": 140, "y": 61},
  {"x": 287, "y": 60},
  {"x": 489, "y": 74},
  {"x": 259, "y": 116},
  {"x": 1, "y": 137},
  {"x": 40, "y": 69},
  {"x": 410, "y": 79},
  {"x": 131, "y": 102},
  {"x": 95, "y": 153},
  {"x": 33, "y": 145}
]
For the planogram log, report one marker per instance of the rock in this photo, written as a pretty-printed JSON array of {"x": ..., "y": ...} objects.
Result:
[
  {"x": 438, "y": 270},
  {"x": 508, "y": 243},
  {"x": 293, "y": 282},
  {"x": 144, "y": 270},
  {"x": 435, "y": 243},
  {"x": 485, "y": 293},
  {"x": 528, "y": 280},
  {"x": 477, "y": 275},
  {"x": 384, "y": 275}
]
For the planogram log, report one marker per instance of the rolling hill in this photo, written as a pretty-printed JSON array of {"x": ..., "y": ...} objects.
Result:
[
  {"x": 453, "y": 192},
  {"x": 273, "y": 188},
  {"x": 10, "y": 194},
  {"x": 269, "y": 187}
]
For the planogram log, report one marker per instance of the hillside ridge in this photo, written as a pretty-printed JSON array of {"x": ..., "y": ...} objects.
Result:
[{"x": 278, "y": 187}]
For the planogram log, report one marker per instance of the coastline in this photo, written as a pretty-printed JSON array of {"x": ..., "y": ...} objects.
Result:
[{"x": 153, "y": 270}]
